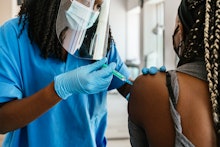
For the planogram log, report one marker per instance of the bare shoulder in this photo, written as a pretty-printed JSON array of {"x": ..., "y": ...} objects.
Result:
[
  {"x": 147, "y": 91},
  {"x": 146, "y": 85}
]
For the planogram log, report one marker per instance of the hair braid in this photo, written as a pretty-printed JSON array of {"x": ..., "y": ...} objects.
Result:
[
  {"x": 211, "y": 43},
  {"x": 23, "y": 10},
  {"x": 40, "y": 15},
  {"x": 50, "y": 37}
]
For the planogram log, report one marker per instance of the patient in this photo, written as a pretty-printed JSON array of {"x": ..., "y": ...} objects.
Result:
[{"x": 181, "y": 107}]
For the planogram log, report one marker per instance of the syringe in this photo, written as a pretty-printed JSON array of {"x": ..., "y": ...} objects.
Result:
[{"x": 120, "y": 76}]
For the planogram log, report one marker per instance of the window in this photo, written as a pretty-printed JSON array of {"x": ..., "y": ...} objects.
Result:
[{"x": 154, "y": 34}]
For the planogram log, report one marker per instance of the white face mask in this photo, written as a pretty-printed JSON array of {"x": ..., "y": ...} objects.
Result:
[
  {"x": 73, "y": 19},
  {"x": 80, "y": 17}
]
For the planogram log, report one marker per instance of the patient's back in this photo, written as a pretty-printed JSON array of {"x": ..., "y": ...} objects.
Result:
[{"x": 149, "y": 108}]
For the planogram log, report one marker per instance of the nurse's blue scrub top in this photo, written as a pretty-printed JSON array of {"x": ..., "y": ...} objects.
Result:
[{"x": 78, "y": 121}]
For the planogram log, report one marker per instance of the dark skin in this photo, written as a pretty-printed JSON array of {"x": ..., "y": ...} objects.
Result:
[
  {"x": 149, "y": 108},
  {"x": 14, "y": 116}
]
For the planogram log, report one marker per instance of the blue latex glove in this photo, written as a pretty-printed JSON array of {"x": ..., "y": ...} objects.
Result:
[
  {"x": 153, "y": 70},
  {"x": 89, "y": 79}
]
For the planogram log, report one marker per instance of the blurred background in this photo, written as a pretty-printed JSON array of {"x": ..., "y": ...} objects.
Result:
[{"x": 142, "y": 30}]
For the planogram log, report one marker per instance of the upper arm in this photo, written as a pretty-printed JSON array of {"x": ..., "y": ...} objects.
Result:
[
  {"x": 146, "y": 96},
  {"x": 124, "y": 90},
  {"x": 149, "y": 109}
]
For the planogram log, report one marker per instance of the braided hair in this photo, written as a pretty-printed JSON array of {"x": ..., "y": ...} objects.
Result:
[
  {"x": 40, "y": 16},
  {"x": 211, "y": 43},
  {"x": 205, "y": 44},
  {"x": 193, "y": 36}
]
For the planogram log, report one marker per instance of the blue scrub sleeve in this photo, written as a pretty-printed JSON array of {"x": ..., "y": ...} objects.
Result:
[
  {"x": 114, "y": 56},
  {"x": 10, "y": 79}
]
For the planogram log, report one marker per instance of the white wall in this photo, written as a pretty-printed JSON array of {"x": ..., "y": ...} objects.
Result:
[
  {"x": 117, "y": 20},
  {"x": 149, "y": 22},
  {"x": 170, "y": 16},
  {"x": 8, "y": 9},
  {"x": 169, "y": 22},
  {"x": 132, "y": 4},
  {"x": 133, "y": 36}
]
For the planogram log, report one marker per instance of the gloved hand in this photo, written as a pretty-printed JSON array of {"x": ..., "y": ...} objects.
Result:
[
  {"x": 153, "y": 70},
  {"x": 87, "y": 79}
]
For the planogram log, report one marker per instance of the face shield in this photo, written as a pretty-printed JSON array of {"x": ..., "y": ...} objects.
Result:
[
  {"x": 91, "y": 39},
  {"x": 73, "y": 19},
  {"x": 95, "y": 44}
]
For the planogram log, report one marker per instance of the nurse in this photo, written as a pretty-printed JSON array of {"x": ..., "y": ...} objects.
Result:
[{"x": 49, "y": 95}]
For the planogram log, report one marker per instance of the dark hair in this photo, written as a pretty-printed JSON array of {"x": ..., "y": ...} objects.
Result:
[
  {"x": 211, "y": 41},
  {"x": 206, "y": 44},
  {"x": 40, "y": 16},
  {"x": 193, "y": 36}
]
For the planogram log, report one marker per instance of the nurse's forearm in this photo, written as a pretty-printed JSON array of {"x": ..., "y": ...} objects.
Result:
[
  {"x": 125, "y": 89},
  {"x": 19, "y": 113}
]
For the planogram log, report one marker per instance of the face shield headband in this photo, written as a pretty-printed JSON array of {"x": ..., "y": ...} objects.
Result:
[{"x": 73, "y": 19}]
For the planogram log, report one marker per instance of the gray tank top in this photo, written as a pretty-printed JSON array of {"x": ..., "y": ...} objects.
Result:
[{"x": 195, "y": 69}]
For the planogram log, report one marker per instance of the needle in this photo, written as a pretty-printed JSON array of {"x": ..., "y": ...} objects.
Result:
[{"x": 120, "y": 76}]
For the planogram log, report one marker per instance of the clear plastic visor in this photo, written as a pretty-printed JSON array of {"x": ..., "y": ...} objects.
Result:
[
  {"x": 92, "y": 48},
  {"x": 71, "y": 23},
  {"x": 95, "y": 43}
]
